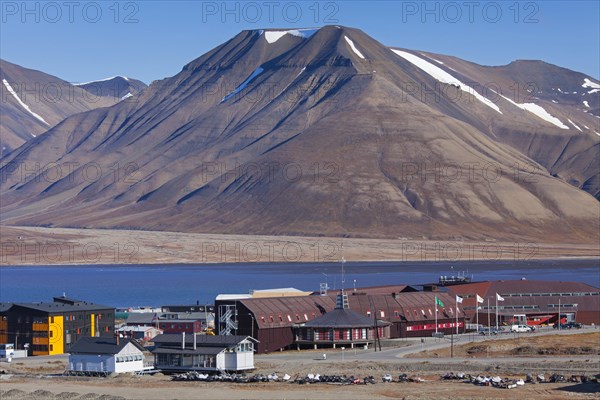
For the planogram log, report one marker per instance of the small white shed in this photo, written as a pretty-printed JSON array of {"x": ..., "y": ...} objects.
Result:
[{"x": 100, "y": 355}]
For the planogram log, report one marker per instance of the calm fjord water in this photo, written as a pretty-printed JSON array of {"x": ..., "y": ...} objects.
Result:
[{"x": 155, "y": 285}]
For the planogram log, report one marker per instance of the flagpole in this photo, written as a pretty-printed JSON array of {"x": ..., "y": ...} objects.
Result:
[
  {"x": 489, "y": 323},
  {"x": 496, "y": 312},
  {"x": 456, "y": 315},
  {"x": 436, "y": 328},
  {"x": 477, "y": 311}
]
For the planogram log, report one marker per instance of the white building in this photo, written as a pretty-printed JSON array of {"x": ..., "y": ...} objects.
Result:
[
  {"x": 178, "y": 352},
  {"x": 100, "y": 355},
  {"x": 140, "y": 332}
]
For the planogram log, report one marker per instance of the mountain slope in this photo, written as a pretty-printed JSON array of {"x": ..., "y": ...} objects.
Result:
[
  {"x": 116, "y": 87},
  {"x": 33, "y": 102},
  {"x": 313, "y": 132}
]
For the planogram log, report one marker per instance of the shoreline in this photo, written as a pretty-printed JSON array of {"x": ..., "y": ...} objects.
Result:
[
  {"x": 35, "y": 246},
  {"x": 347, "y": 264}
]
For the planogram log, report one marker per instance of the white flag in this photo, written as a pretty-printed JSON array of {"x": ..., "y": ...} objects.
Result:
[
  {"x": 479, "y": 299},
  {"x": 459, "y": 299},
  {"x": 499, "y": 298}
]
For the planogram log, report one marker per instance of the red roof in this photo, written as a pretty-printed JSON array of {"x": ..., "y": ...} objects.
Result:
[{"x": 287, "y": 311}]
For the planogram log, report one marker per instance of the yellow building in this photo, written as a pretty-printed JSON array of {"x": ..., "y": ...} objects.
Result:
[{"x": 51, "y": 328}]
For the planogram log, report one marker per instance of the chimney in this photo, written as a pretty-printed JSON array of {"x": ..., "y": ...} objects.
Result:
[
  {"x": 183, "y": 340},
  {"x": 194, "y": 340}
]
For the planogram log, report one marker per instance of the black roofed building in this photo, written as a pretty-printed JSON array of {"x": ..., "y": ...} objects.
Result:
[
  {"x": 341, "y": 326},
  {"x": 102, "y": 355},
  {"x": 181, "y": 352},
  {"x": 47, "y": 328}
]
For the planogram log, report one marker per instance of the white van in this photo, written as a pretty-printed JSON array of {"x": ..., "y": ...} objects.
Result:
[{"x": 521, "y": 328}]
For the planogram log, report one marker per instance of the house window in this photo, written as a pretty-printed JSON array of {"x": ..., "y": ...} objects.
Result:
[
  {"x": 396, "y": 313},
  {"x": 368, "y": 313},
  {"x": 51, "y": 347},
  {"x": 51, "y": 333},
  {"x": 305, "y": 317},
  {"x": 51, "y": 320},
  {"x": 271, "y": 318},
  {"x": 297, "y": 317},
  {"x": 382, "y": 313},
  {"x": 262, "y": 319},
  {"x": 280, "y": 318},
  {"x": 289, "y": 318}
]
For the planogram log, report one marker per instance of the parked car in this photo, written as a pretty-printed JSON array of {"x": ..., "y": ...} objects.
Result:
[
  {"x": 568, "y": 325},
  {"x": 522, "y": 328}
]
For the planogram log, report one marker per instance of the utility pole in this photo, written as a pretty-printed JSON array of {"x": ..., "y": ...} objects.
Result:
[{"x": 559, "y": 319}]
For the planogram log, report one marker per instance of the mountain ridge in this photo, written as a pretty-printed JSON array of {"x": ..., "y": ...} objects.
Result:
[
  {"x": 33, "y": 102},
  {"x": 316, "y": 104}
]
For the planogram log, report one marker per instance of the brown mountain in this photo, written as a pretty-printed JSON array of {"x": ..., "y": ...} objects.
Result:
[
  {"x": 117, "y": 87},
  {"x": 325, "y": 132},
  {"x": 33, "y": 101}
]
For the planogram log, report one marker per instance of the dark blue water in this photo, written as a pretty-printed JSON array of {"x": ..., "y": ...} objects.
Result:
[{"x": 155, "y": 285}]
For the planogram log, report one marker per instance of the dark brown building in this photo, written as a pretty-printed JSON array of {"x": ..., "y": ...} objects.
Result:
[
  {"x": 272, "y": 320},
  {"x": 341, "y": 327}
]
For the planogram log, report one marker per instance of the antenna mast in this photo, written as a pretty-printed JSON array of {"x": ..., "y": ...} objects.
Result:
[{"x": 343, "y": 261}]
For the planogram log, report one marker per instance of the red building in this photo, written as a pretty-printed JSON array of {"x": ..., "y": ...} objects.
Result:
[
  {"x": 180, "y": 326},
  {"x": 341, "y": 327},
  {"x": 272, "y": 321},
  {"x": 540, "y": 301}
]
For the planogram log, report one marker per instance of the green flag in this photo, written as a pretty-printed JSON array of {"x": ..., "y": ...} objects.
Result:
[{"x": 438, "y": 302}]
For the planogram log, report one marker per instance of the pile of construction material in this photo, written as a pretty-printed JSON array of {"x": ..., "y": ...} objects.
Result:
[{"x": 511, "y": 383}]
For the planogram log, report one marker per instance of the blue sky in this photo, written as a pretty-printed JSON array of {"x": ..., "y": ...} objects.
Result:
[{"x": 87, "y": 40}]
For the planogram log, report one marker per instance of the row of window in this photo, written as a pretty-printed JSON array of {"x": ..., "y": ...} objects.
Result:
[
  {"x": 524, "y": 307},
  {"x": 132, "y": 358},
  {"x": 549, "y": 294},
  {"x": 299, "y": 317},
  {"x": 42, "y": 347},
  {"x": 428, "y": 327},
  {"x": 71, "y": 317},
  {"x": 174, "y": 326}
]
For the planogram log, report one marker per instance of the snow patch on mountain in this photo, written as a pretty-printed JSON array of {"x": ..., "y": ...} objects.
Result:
[
  {"x": 539, "y": 111},
  {"x": 102, "y": 80},
  {"x": 573, "y": 123},
  {"x": 128, "y": 95},
  {"x": 274, "y": 36},
  {"x": 25, "y": 106},
  {"x": 444, "y": 77},
  {"x": 353, "y": 47},
  {"x": 589, "y": 84},
  {"x": 241, "y": 87}
]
